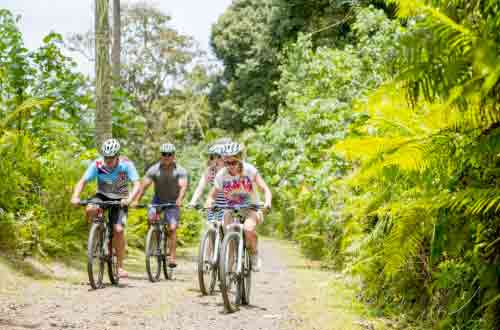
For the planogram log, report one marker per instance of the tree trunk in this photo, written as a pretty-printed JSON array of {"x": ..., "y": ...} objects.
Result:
[
  {"x": 103, "y": 118},
  {"x": 116, "y": 50}
]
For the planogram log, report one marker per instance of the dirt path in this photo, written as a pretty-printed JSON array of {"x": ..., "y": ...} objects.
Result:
[{"x": 168, "y": 305}]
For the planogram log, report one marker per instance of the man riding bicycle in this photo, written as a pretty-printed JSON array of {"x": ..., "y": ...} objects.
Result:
[
  {"x": 238, "y": 181},
  {"x": 170, "y": 185},
  {"x": 113, "y": 174}
]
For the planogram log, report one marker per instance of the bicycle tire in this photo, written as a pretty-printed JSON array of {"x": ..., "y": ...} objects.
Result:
[
  {"x": 167, "y": 271},
  {"x": 152, "y": 256},
  {"x": 112, "y": 261},
  {"x": 204, "y": 265},
  {"x": 95, "y": 253},
  {"x": 247, "y": 278},
  {"x": 230, "y": 283}
]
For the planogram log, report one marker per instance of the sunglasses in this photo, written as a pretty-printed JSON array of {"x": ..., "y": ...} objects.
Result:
[
  {"x": 231, "y": 163},
  {"x": 167, "y": 154},
  {"x": 109, "y": 159},
  {"x": 212, "y": 157}
]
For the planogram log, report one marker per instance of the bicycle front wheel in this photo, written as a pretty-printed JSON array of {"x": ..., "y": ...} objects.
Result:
[
  {"x": 167, "y": 271},
  {"x": 95, "y": 255},
  {"x": 246, "y": 278},
  {"x": 230, "y": 279},
  {"x": 207, "y": 273},
  {"x": 153, "y": 254}
]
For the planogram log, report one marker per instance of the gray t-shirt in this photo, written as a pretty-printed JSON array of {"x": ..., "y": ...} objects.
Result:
[{"x": 166, "y": 182}]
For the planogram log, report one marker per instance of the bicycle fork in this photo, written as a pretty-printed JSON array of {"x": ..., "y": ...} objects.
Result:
[{"x": 216, "y": 229}]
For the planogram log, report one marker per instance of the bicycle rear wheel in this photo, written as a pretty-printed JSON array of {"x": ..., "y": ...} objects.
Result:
[
  {"x": 230, "y": 280},
  {"x": 207, "y": 273},
  {"x": 153, "y": 254},
  {"x": 95, "y": 255},
  {"x": 112, "y": 260}
]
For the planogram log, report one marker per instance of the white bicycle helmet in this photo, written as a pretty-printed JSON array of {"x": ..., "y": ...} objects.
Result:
[
  {"x": 167, "y": 147},
  {"x": 215, "y": 149},
  {"x": 232, "y": 149},
  {"x": 110, "y": 148}
]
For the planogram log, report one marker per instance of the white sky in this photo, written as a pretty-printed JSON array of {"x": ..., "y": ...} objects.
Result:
[{"x": 39, "y": 17}]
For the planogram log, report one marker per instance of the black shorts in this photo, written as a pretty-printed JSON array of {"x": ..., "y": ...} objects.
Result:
[{"x": 117, "y": 214}]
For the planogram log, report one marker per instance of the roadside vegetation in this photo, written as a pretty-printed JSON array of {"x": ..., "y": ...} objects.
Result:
[{"x": 376, "y": 123}]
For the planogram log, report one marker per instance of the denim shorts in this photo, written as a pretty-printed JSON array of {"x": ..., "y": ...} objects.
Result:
[{"x": 171, "y": 216}]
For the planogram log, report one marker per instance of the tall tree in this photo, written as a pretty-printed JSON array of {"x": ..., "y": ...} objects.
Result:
[
  {"x": 103, "y": 117},
  {"x": 154, "y": 61},
  {"x": 116, "y": 50}
]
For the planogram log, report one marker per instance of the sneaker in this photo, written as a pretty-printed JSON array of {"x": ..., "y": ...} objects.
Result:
[{"x": 256, "y": 263}]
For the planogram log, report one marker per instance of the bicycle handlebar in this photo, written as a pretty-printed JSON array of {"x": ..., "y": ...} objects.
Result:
[
  {"x": 231, "y": 207},
  {"x": 162, "y": 206},
  {"x": 88, "y": 201}
]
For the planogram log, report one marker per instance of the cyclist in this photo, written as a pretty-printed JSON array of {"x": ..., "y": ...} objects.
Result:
[
  {"x": 215, "y": 164},
  {"x": 170, "y": 184},
  {"x": 238, "y": 181},
  {"x": 113, "y": 174}
]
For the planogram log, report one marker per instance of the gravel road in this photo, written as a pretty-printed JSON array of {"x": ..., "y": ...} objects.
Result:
[{"x": 167, "y": 305}]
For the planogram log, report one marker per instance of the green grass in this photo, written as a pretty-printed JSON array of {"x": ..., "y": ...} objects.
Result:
[{"x": 327, "y": 300}]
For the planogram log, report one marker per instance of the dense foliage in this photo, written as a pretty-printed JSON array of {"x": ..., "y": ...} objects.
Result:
[
  {"x": 376, "y": 123},
  {"x": 383, "y": 158},
  {"x": 46, "y": 141}
]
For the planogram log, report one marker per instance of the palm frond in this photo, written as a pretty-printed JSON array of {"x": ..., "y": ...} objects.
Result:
[{"x": 473, "y": 201}]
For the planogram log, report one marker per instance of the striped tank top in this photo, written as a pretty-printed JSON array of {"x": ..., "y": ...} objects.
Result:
[{"x": 219, "y": 199}]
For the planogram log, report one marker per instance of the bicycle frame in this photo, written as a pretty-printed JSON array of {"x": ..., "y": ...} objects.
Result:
[
  {"x": 108, "y": 229},
  {"x": 215, "y": 226}
]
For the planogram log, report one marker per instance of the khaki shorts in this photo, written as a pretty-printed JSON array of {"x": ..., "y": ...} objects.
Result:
[{"x": 246, "y": 213}]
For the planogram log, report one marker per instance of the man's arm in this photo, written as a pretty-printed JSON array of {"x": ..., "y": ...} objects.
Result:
[
  {"x": 267, "y": 192},
  {"x": 183, "y": 183},
  {"x": 75, "y": 198},
  {"x": 136, "y": 189},
  {"x": 146, "y": 182}
]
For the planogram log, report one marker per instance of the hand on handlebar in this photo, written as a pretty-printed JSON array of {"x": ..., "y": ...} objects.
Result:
[{"x": 75, "y": 201}]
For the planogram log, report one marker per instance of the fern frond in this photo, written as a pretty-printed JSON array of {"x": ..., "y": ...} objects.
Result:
[{"x": 473, "y": 201}]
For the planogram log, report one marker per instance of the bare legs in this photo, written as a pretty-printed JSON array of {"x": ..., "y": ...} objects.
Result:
[{"x": 119, "y": 244}]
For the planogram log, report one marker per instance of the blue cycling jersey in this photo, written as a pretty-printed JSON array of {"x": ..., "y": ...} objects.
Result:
[{"x": 112, "y": 183}]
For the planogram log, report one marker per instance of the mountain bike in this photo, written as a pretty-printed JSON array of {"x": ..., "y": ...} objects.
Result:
[
  {"x": 157, "y": 244},
  {"x": 100, "y": 249},
  {"x": 208, "y": 256},
  {"x": 234, "y": 264}
]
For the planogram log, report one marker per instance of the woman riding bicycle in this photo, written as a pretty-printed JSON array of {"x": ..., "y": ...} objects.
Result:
[
  {"x": 215, "y": 164},
  {"x": 238, "y": 181}
]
